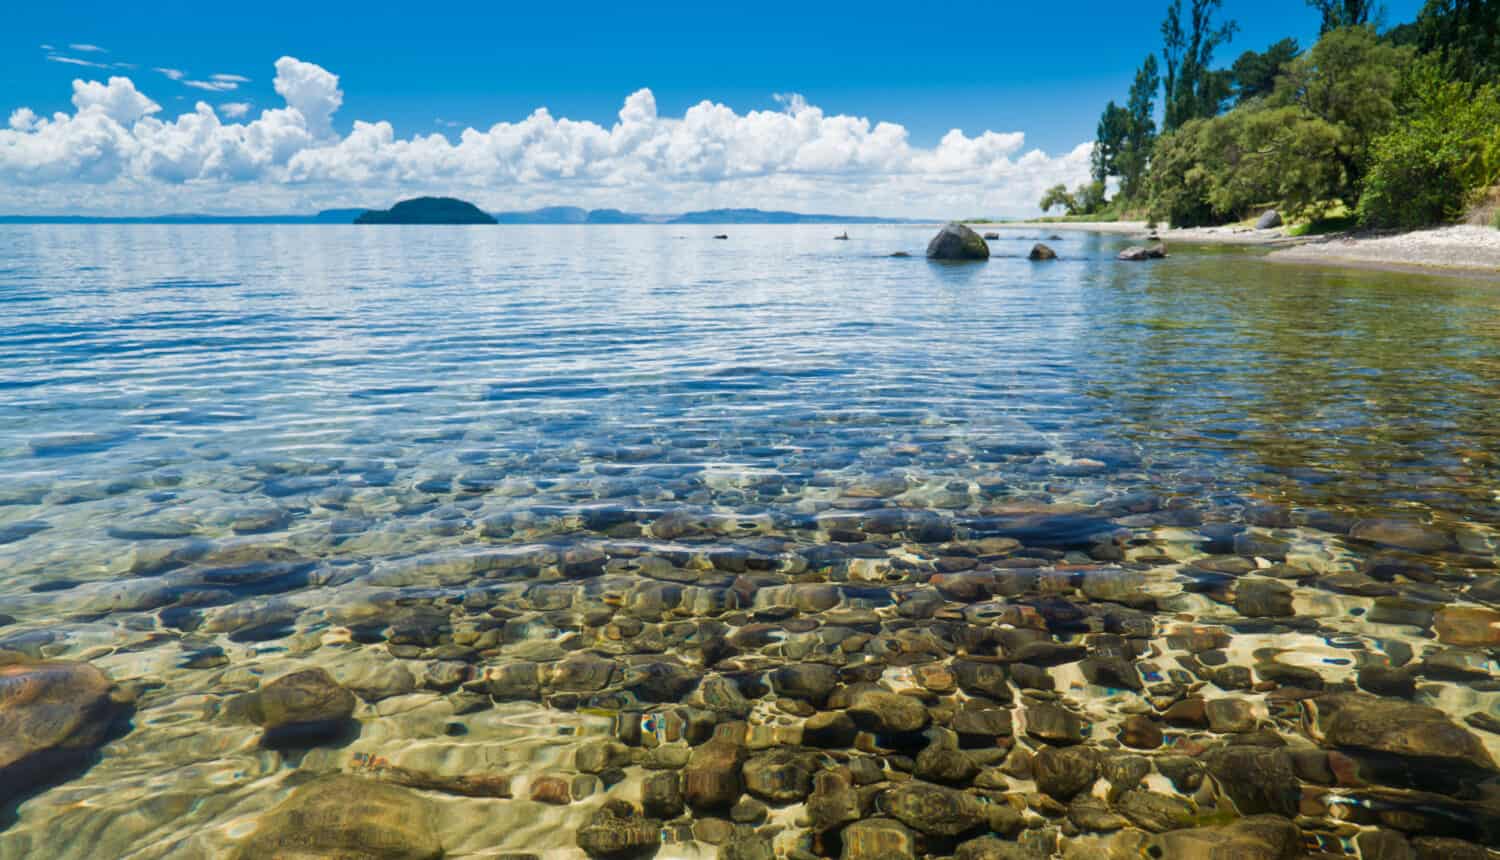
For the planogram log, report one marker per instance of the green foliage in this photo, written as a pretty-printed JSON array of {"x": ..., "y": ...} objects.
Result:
[
  {"x": 1464, "y": 35},
  {"x": 1057, "y": 195},
  {"x": 1192, "y": 88},
  {"x": 1125, "y": 135},
  {"x": 1086, "y": 199},
  {"x": 1255, "y": 74},
  {"x": 1427, "y": 169},
  {"x": 1109, "y": 141},
  {"x": 1343, "y": 13},
  {"x": 1302, "y": 147},
  {"x": 1495, "y": 221}
]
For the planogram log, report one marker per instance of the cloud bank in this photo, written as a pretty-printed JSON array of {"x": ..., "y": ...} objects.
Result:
[{"x": 116, "y": 153}]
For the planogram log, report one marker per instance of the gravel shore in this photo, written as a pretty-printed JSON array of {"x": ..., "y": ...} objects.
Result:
[
  {"x": 1462, "y": 249},
  {"x": 1465, "y": 249}
]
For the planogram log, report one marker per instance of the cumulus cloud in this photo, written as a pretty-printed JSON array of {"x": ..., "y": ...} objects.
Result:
[{"x": 115, "y": 146}]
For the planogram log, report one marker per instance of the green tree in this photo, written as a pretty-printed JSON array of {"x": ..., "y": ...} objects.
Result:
[
  {"x": 1430, "y": 167},
  {"x": 1135, "y": 159},
  {"x": 1057, "y": 195},
  {"x": 1343, "y": 13},
  {"x": 1255, "y": 74},
  {"x": 1465, "y": 34},
  {"x": 1109, "y": 140},
  {"x": 1193, "y": 89}
]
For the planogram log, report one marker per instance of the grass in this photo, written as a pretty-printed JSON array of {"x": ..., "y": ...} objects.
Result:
[{"x": 1324, "y": 226}]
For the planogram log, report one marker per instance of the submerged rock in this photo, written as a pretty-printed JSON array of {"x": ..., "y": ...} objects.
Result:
[
  {"x": 1262, "y": 837},
  {"x": 933, "y": 809},
  {"x": 617, "y": 831},
  {"x": 303, "y": 707},
  {"x": 53, "y": 714},
  {"x": 1040, "y": 252},
  {"x": 1391, "y": 726},
  {"x": 957, "y": 242},
  {"x": 346, "y": 817}
]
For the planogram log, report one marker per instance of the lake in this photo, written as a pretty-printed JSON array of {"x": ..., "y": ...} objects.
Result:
[{"x": 604, "y": 538}]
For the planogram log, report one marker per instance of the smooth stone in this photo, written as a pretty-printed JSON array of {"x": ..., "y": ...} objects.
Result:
[
  {"x": 1062, "y": 772},
  {"x": 1268, "y": 220},
  {"x": 712, "y": 778},
  {"x": 882, "y": 712},
  {"x": 1154, "y": 812},
  {"x": 1141, "y": 733},
  {"x": 780, "y": 776},
  {"x": 1364, "y": 722},
  {"x": 304, "y": 706},
  {"x": 1401, "y": 534},
  {"x": 1467, "y": 626},
  {"x": 1040, "y": 252},
  {"x": 1261, "y": 837},
  {"x": 1257, "y": 779},
  {"x": 1230, "y": 716},
  {"x": 933, "y": 809},
  {"x": 346, "y": 817},
  {"x": 982, "y": 679},
  {"x": 957, "y": 242},
  {"x": 616, "y": 830},
  {"x": 977, "y": 721},
  {"x": 810, "y": 681},
  {"x": 940, "y": 764},
  {"x": 53, "y": 715},
  {"x": 1053, "y": 724},
  {"x": 878, "y": 839}
]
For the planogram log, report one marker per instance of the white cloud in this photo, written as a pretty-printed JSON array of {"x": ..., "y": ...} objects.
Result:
[
  {"x": 212, "y": 86},
  {"x": 48, "y": 48},
  {"x": 74, "y": 61},
  {"x": 87, "y": 48},
  {"x": 174, "y": 74},
  {"x": 114, "y": 148},
  {"x": 231, "y": 79}
]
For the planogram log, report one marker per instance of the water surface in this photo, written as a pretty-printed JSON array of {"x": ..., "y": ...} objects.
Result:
[{"x": 415, "y": 455}]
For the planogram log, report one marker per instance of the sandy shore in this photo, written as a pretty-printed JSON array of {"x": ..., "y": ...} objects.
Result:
[{"x": 1462, "y": 249}]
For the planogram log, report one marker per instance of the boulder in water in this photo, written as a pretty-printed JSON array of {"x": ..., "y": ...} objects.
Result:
[
  {"x": 957, "y": 242},
  {"x": 346, "y": 816},
  {"x": 1040, "y": 252},
  {"x": 302, "y": 708},
  {"x": 989, "y": 236},
  {"x": 53, "y": 714},
  {"x": 1144, "y": 252}
]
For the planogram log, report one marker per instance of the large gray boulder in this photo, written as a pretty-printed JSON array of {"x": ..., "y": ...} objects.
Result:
[
  {"x": 1268, "y": 220},
  {"x": 957, "y": 242}
]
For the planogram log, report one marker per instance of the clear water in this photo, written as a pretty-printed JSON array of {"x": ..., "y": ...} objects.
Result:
[{"x": 257, "y": 439}]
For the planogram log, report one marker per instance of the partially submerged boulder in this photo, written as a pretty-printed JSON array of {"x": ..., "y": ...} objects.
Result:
[
  {"x": 1040, "y": 252},
  {"x": 53, "y": 715},
  {"x": 1137, "y": 253},
  {"x": 957, "y": 242}
]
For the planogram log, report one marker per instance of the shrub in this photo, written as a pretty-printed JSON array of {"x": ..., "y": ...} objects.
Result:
[{"x": 1427, "y": 170}]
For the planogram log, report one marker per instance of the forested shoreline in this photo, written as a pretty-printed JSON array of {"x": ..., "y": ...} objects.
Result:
[{"x": 1371, "y": 126}]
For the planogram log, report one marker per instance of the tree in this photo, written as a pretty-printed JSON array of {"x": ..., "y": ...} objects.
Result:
[
  {"x": 1343, "y": 13},
  {"x": 1349, "y": 79},
  {"x": 1123, "y": 142},
  {"x": 1193, "y": 89},
  {"x": 1109, "y": 140},
  {"x": 1057, "y": 195},
  {"x": 1140, "y": 111},
  {"x": 1255, "y": 74},
  {"x": 1465, "y": 34}
]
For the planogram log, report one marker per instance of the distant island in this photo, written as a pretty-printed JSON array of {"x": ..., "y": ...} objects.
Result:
[
  {"x": 545, "y": 215},
  {"x": 428, "y": 210}
]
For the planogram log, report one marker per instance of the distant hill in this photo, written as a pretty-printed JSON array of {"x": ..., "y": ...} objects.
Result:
[
  {"x": 546, "y": 215},
  {"x": 428, "y": 210}
]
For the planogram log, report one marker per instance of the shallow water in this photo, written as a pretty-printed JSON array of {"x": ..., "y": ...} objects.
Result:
[{"x": 413, "y": 456}]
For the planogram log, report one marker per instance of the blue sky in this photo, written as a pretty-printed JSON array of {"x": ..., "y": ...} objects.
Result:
[{"x": 1044, "y": 70}]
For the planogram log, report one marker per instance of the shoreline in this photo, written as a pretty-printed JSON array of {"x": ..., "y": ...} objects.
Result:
[{"x": 1456, "y": 250}]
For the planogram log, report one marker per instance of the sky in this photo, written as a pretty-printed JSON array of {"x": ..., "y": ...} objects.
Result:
[{"x": 874, "y": 108}]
